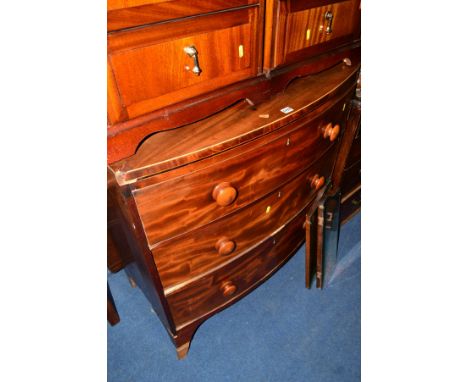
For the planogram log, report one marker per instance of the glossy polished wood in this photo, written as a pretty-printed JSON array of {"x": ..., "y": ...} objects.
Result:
[
  {"x": 352, "y": 129},
  {"x": 169, "y": 149},
  {"x": 125, "y": 137},
  {"x": 299, "y": 28},
  {"x": 199, "y": 299},
  {"x": 152, "y": 70},
  {"x": 317, "y": 182},
  {"x": 142, "y": 268},
  {"x": 186, "y": 199},
  {"x": 301, "y": 5},
  {"x": 224, "y": 246},
  {"x": 348, "y": 173},
  {"x": 228, "y": 288},
  {"x": 320, "y": 239},
  {"x": 119, "y": 252},
  {"x": 224, "y": 194},
  {"x": 313, "y": 247},
  {"x": 190, "y": 255},
  {"x": 125, "y": 14},
  {"x": 331, "y": 131},
  {"x": 214, "y": 159}
]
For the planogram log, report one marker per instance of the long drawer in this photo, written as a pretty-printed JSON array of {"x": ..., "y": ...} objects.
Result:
[
  {"x": 187, "y": 256},
  {"x": 126, "y": 14},
  {"x": 222, "y": 287},
  {"x": 178, "y": 205}
]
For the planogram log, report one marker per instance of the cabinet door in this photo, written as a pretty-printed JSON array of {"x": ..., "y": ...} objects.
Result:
[
  {"x": 305, "y": 28},
  {"x": 166, "y": 63}
]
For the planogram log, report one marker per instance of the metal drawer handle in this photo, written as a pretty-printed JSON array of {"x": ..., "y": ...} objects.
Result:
[
  {"x": 329, "y": 18},
  {"x": 192, "y": 52}
]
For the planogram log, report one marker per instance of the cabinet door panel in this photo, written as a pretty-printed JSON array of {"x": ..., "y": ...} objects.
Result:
[
  {"x": 303, "y": 28},
  {"x": 309, "y": 27}
]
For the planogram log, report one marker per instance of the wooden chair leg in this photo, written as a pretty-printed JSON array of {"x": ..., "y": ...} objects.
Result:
[
  {"x": 310, "y": 253},
  {"x": 314, "y": 245},
  {"x": 320, "y": 225}
]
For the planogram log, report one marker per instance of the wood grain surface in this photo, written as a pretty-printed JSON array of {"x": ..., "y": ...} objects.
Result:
[
  {"x": 188, "y": 256},
  {"x": 313, "y": 19},
  {"x": 152, "y": 70},
  {"x": 124, "y": 138},
  {"x": 126, "y": 14},
  {"x": 200, "y": 298},
  {"x": 169, "y": 149},
  {"x": 177, "y": 205},
  {"x": 299, "y": 28}
]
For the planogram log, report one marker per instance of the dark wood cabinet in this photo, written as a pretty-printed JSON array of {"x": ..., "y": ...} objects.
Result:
[
  {"x": 302, "y": 28},
  {"x": 214, "y": 156},
  {"x": 161, "y": 64}
]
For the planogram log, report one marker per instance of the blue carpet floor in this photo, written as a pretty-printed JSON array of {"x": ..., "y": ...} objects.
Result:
[{"x": 279, "y": 332}]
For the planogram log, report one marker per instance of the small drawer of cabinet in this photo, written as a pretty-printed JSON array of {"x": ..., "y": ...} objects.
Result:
[
  {"x": 191, "y": 254},
  {"x": 305, "y": 28},
  {"x": 158, "y": 65},
  {"x": 181, "y": 204},
  {"x": 229, "y": 283}
]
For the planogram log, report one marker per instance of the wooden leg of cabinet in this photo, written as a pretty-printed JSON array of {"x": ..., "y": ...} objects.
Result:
[
  {"x": 183, "y": 350},
  {"x": 183, "y": 339},
  {"x": 112, "y": 315}
]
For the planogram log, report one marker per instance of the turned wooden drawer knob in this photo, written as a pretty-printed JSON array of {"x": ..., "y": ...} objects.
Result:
[
  {"x": 224, "y": 246},
  {"x": 331, "y": 132},
  {"x": 228, "y": 288},
  {"x": 224, "y": 194},
  {"x": 317, "y": 182}
]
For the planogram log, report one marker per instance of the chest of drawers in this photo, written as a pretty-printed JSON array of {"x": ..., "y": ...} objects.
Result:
[{"x": 214, "y": 156}]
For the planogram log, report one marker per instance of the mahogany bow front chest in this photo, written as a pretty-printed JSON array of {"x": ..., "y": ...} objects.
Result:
[{"x": 226, "y": 123}]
